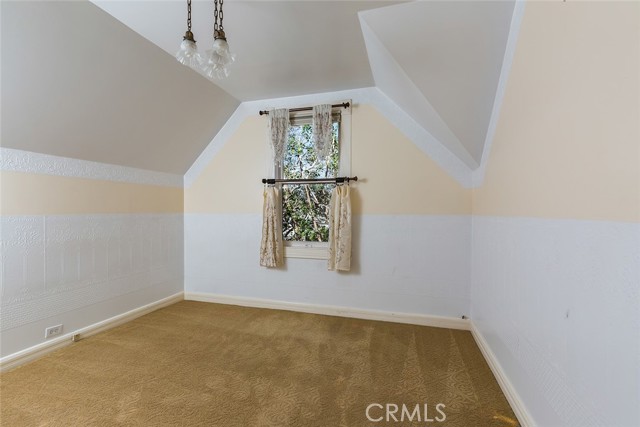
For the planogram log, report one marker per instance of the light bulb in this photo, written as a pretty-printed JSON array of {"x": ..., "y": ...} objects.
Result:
[
  {"x": 188, "y": 54},
  {"x": 214, "y": 63},
  {"x": 221, "y": 47}
]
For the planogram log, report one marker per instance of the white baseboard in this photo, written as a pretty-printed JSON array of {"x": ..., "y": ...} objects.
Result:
[
  {"x": 358, "y": 313},
  {"x": 39, "y": 350},
  {"x": 503, "y": 380}
]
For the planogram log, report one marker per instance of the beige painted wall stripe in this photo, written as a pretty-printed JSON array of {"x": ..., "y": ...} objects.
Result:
[
  {"x": 34, "y": 194},
  {"x": 396, "y": 176},
  {"x": 567, "y": 144}
]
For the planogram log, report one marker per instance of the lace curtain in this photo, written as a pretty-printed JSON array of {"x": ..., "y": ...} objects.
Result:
[
  {"x": 271, "y": 254},
  {"x": 322, "y": 130},
  {"x": 340, "y": 229},
  {"x": 278, "y": 129}
]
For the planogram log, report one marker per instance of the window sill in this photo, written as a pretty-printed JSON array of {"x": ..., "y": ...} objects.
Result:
[{"x": 307, "y": 252}]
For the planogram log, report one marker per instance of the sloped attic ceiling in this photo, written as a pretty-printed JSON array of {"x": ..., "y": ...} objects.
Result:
[
  {"x": 445, "y": 61},
  {"x": 109, "y": 95},
  {"x": 284, "y": 48},
  {"x": 439, "y": 61},
  {"x": 78, "y": 83}
]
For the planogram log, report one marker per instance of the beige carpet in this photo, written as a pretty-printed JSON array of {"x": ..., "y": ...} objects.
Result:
[{"x": 199, "y": 364}]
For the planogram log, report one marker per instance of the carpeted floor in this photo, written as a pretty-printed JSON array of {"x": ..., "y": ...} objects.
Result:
[{"x": 200, "y": 364}]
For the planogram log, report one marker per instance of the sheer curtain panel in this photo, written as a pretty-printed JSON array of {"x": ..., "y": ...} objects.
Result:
[
  {"x": 278, "y": 130},
  {"x": 271, "y": 252},
  {"x": 340, "y": 229},
  {"x": 322, "y": 126}
]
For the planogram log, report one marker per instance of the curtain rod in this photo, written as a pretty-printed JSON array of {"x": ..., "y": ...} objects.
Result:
[
  {"x": 291, "y": 110},
  {"x": 339, "y": 180}
]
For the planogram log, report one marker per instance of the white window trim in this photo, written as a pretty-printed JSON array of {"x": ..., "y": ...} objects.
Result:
[
  {"x": 308, "y": 250},
  {"x": 320, "y": 250}
]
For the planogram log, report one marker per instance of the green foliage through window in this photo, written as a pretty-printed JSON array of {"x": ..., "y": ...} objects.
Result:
[{"x": 305, "y": 208}]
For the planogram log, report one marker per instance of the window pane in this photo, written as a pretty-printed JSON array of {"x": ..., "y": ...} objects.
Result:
[
  {"x": 305, "y": 208},
  {"x": 305, "y": 212},
  {"x": 300, "y": 160}
]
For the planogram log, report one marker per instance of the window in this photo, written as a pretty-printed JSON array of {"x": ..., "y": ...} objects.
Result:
[{"x": 305, "y": 208}]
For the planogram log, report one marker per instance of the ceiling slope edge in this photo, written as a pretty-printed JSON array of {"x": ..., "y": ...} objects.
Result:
[
  {"x": 449, "y": 162},
  {"x": 13, "y": 160},
  {"x": 505, "y": 71},
  {"x": 393, "y": 81}
]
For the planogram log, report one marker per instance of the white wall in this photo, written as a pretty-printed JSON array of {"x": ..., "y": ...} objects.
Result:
[
  {"x": 556, "y": 226},
  {"x": 558, "y": 302},
  {"x": 77, "y": 251},
  {"x": 78, "y": 270},
  {"x": 401, "y": 263}
]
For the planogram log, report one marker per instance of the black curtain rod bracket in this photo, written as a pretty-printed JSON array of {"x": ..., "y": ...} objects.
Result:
[
  {"x": 291, "y": 110},
  {"x": 339, "y": 180}
]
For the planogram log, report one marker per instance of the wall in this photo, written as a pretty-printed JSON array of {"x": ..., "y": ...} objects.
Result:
[
  {"x": 81, "y": 248},
  {"x": 411, "y": 232},
  {"x": 556, "y": 234}
]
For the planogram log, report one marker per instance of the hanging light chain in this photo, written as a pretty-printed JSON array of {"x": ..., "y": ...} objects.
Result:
[
  {"x": 215, "y": 18},
  {"x": 218, "y": 16},
  {"x": 221, "y": 15},
  {"x": 189, "y": 15}
]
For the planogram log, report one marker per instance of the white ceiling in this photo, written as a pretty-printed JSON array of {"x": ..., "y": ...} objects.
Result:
[
  {"x": 452, "y": 52},
  {"x": 109, "y": 95},
  {"x": 283, "y": 48},
  {"x": 77, "y": 83}
]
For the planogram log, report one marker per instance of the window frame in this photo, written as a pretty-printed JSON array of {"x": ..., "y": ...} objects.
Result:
[{"x": 320, "y": 250}]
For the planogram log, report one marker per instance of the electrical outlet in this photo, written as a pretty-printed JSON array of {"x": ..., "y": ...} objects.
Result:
[{"x": 52, "y": 331}]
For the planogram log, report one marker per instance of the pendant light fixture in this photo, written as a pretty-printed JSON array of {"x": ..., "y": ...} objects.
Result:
[
  {"x": 188, "y": 54},
  {"x": 214, "y": 63}
]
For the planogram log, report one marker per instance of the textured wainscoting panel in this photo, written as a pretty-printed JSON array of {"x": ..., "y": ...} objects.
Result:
[
  {"x": 59, "y": 264},
  {"x": 558, "y": 301},
  {"x": 401, "y": 263}
]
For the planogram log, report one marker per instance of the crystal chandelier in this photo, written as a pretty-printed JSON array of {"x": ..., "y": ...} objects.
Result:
[{"x": 214, "y": 63}]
